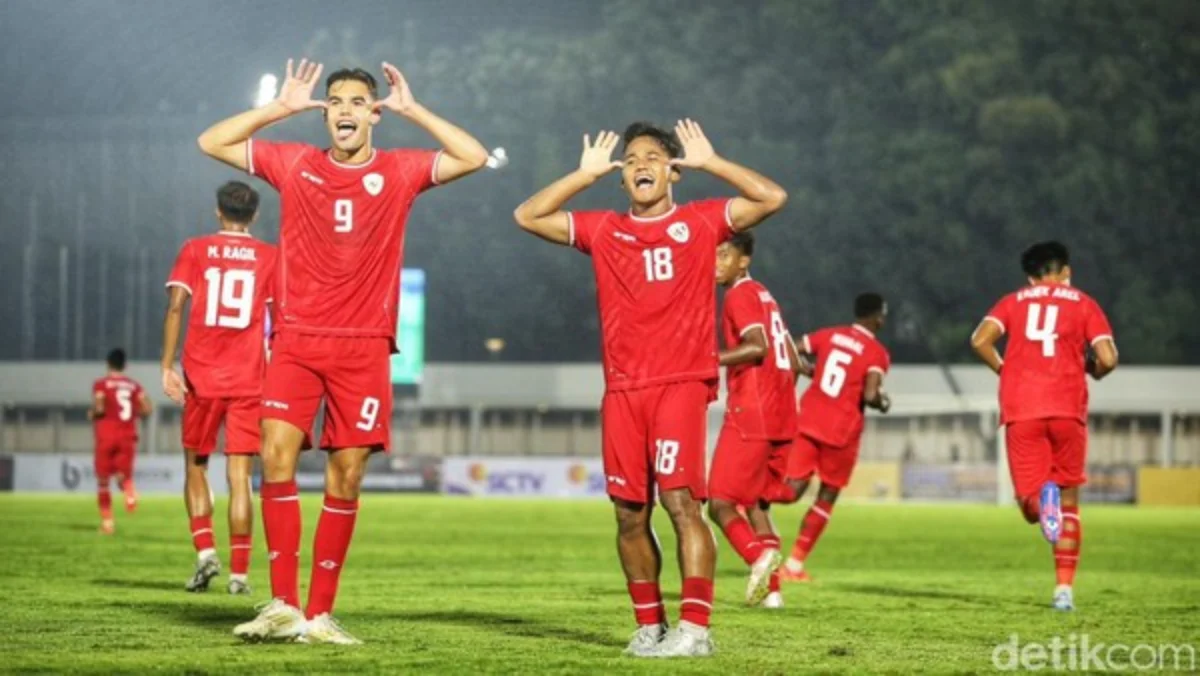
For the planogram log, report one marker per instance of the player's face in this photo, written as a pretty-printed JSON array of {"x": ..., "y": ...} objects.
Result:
[
  {"x": 349, "y": 117},
  {"x": 647, "y": 176},
  {"x": 731, "y": 264}
]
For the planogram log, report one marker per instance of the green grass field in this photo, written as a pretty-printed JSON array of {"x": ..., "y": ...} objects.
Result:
[{"x": 458, "y": 585}]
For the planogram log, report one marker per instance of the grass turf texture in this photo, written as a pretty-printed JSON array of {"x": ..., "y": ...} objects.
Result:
[{"x": 458, "y": 585}]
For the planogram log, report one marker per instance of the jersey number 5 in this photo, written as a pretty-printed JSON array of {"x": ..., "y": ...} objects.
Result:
[
  {"x": 1040, "y": 327},
  {"x": 230, "y": 298},
  {"x": 125, "y": 404}
]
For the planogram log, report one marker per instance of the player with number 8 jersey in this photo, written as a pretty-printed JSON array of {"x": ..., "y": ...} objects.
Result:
[
  {"x": 343, "y": 217},
  {"x": 654, "y": 268}
]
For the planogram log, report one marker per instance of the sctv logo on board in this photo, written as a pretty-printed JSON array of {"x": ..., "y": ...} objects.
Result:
[{"x": 507, "y": 482}]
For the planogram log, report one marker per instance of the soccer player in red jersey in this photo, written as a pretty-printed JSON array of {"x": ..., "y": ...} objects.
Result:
[
  {"x": 1051, "y": 327},
  {"x": 654, "y": 280},
  {"x": 849, "y": 367},
  {"x": 760, "y": 415},
  {"x": 336, "y": 305},
  {"x": 228, "y": 276},
  {"x": 118, "y": 401}
]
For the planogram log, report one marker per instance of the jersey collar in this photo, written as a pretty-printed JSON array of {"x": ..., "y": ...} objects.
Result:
[
  {"x": 738, "y": 282},
  {"x": 233, "y": 233},
  {"x": 652, "y": 219},
  {"x": 343, "y": 165},
  {"x": 859, "y": 327}
]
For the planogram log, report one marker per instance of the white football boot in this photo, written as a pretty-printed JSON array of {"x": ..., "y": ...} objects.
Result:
[
  {"x": 645, "y": 640},
  {"x": 276, "y": 621}
]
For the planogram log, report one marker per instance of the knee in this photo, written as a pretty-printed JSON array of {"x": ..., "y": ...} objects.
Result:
[
  {"x": 345, "y": 479},
  {"x": 681, "y": 507},
  {"x": 632, "y": 523},
  {"x": 720, "y": 510}
]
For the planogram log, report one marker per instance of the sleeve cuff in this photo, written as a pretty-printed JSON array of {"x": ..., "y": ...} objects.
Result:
[
  {"x": 437, "y": 159},
  {"x": 750, "y": 328},
  {"x": 570, "y": 228},
  {"x": 995, "y": 321},
  {"x": 181, "y": 285},
  {"x": 807, "y": 344},
  {"x": 729, "y": 215},
  {"x": 877, "y": 369},
  {"x": 250, "y": 156}
]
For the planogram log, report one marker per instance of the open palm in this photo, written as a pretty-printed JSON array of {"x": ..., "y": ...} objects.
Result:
[
  {"x": 296, "y": 92},
  {"x": 697, "y": 150},
  {"x": 400, "y": 97},
  {"x": 597, "y": 157}
]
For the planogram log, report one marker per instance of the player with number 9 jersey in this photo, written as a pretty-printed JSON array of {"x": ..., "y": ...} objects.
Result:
[{"x": 831, "y": 409}]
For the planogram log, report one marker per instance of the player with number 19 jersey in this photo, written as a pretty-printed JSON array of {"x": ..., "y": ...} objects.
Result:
[
  {"x": 230, "y": 277},
  {"x": 341, "y": 243},
  {"x": 657, "y": 300},
  {"x": 831, "y": 409}
]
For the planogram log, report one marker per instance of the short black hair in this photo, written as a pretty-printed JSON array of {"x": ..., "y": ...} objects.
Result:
[
  {"x": 867, "y": 305},
  {"x": 237, "y": 202},
  {"x": 744, "y": 242},
  {"x": 356, "y": 74},
  {"x": 116, "y": 359},
  {"x": 1045, "y": 258},
  {"x": 665, "y": 138}
]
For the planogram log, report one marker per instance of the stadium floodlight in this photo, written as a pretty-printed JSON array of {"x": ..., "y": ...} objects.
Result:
[
  {"x": 497, "y": 159},
  {"x": 266, "y": 90}
]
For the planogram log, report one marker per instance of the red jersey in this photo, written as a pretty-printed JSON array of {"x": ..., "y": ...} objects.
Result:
[
  {"x": 762, "y": 397},
  {"x": 122, "y": 407},
  {"x": 1049, "y": 328},
  {"x": 230, "y": 276},
  {"x": 655, "y": 291},
  {"x": 831, "y": 410},
  {"x": 341, "y": 234}
]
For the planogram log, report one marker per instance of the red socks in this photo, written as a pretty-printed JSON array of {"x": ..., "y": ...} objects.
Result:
[
  {"x": 771, "y": 542},
  {"x": 696, "y": 606},
  {"x": 742, "y": 537},
  {"x": 281, "y": 523},
  {"x": 104, "y": 499},
  {"x": 1066, "y": 552},
  {"x": 810, "y": 530},
  {"x": 202, "y": 535},
  {"x": 239, "y": 554},
  {"x": 334, "y": 531},
  {"x": 647, "y": 603}
]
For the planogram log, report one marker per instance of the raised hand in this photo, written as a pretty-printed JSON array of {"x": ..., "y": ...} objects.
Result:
[
  {"x": 597, "y": 157},
  {"x": 697, "y": 150},
  {"x": 172, "y": 384},
  {"x": 400, "y": 98},
  {"x": 298, "y": 85}
]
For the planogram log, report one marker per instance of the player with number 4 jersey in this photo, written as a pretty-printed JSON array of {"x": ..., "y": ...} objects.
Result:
[
  {"x": 849, "y": 367},
  {"x": 760, "y": 417},
  {"x": 343, "y": 216},
  {"x": 1057, "y": 335},
  {"x": 228, "y": 277},
  {"x": 654, "y": 282}
]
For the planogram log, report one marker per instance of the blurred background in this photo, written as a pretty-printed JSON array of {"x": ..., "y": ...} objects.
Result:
[{"x": 923, "y": 144}]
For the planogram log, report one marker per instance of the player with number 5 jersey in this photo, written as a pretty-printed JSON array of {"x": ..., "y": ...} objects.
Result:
[
  {"x": 228, "y": 277},
  {"x": 118, "y": 405},
  {"x": 1057, "y": 335},
  {"x": 343, "y": 216},
  {"x": 849, "y": 367},
  {"x": 654, "y": 269}
]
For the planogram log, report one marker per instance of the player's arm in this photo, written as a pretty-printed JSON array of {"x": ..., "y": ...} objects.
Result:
[
  {"x": 873, "y": 394},
  {"x": 800, "y": 357},
  {"x": 759, "y": 196},
  {"x": 172, "y": 383},
  {"x": 462, "y": 154},
  {"x": 1103, "y": 358},
  {"x": 752, "y": 350},
  {"x": 984, "y": 340},
  {"x": 226, "y": 140},
  {"x": 145, "y": 406},
  {"x": 543, "y": 214},
  {"x": 98, "y": 404}
]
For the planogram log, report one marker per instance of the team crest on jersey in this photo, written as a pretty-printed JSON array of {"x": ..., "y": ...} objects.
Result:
[
  {"x": 373, "y": 183},
  {"x": 678, "y": 232}
]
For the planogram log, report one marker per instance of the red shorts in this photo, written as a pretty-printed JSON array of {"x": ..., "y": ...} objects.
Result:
[
  {"x": 203, "y": 417},
  {"x": 655, "y": 436},
  {"x": 740, "y": 469},
  {"x": 833, "y": 464},
  {"x": 1051, "y": 449},
  {"x": 353, "y": 375},
  {"x": 114, "y": 457},
  {"x": 776, "y": 488}
]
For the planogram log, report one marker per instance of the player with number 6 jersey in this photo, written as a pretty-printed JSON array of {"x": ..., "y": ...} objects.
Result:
[
  {"x": 118, "y": 405},
  {"x": 1057, "y": 335},
  {"x": 654, "y": 283},
  {"x": 343, "y": 217},
  {"x": 760, "y": 417},
  {"x": 228, "y": 277},
  {"x": 849, "y": 367}
]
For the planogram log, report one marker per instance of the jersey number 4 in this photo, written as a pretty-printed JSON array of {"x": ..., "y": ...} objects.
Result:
[
  {"x": 230, "y": 298},
  {"x": 1040, "y": 327}
]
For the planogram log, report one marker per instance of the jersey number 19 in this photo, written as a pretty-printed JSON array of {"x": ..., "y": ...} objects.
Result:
[{"x": 230, "y": 298}]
